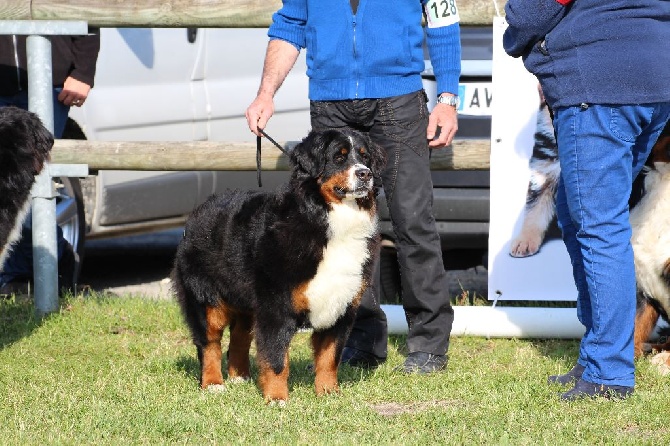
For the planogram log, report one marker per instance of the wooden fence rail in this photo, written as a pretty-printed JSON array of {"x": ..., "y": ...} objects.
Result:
[
  {"x": 186, "y": 13},
  {"x": 471, "y": 154}
]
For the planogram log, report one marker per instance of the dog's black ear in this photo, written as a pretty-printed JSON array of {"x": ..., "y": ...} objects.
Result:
[{"x": 307, "y": 157}]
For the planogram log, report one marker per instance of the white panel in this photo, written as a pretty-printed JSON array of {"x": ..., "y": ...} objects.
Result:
[{"x": 546, "y": 275}]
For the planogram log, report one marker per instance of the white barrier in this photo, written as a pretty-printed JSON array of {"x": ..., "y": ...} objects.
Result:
[{"x": 501, "y": 322}]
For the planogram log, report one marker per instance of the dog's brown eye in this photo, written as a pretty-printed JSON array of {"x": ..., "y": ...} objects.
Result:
[{"x": 341, "y": 155}]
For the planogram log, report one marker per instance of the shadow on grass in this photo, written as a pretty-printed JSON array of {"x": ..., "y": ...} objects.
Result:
[
  {"x": 559, "y": 349},
  {"x": 189, "y": 366},
  {"x": 17, "y": 319}
]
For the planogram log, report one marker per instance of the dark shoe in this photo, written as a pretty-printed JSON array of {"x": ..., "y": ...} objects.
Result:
[
  {"x": 585, "y": 389},
  {"x": 359, "y": 358},
  {"x": 568, "y": 378},
  {"x": 423, "y": 363}
]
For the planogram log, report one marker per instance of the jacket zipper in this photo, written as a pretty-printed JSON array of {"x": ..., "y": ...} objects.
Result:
[{"x": 355, "y": 56}]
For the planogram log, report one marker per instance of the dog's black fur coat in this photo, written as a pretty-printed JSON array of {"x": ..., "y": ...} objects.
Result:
[
  {"x": 24, "y": 148},
  {"x": 248, "y": 260}
]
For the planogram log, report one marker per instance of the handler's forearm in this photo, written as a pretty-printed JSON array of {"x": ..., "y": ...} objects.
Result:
[{"x": 279, "y": 59}]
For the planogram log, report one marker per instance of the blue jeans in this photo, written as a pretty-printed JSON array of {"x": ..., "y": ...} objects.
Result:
[
  {"x": 601, "y": 149},
  {"x": 19, "y": 264}
]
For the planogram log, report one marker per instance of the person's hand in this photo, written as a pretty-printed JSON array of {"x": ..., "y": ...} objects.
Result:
[
  {"x": 259, "y": 113},
  {"x": 74, "y": 92},
  {"x": 446, "y": 118}
]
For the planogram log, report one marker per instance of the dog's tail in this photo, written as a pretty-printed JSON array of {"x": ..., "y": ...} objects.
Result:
[{"x": 24, "y": 148}]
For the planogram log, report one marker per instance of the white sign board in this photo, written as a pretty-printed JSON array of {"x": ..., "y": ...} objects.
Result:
[{"x": 547, "y": 274}]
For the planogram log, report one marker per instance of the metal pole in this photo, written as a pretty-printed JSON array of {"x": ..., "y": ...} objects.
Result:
[
  {"x": 40, "y": 101},
  {"x": 45, "y": 252}
]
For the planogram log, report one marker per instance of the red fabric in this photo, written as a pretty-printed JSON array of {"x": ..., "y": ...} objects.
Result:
[{"x": 564, "y": 2}]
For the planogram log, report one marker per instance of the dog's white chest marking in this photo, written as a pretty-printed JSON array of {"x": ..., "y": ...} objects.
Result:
[
  {"x": 339, "y": 276},
  {"x": 650, "y": 221}
]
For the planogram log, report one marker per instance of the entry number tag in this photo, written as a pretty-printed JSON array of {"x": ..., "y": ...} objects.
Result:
[{"x": 441, "y": 13}]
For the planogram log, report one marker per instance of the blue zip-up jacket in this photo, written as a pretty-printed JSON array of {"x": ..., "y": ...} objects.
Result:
[
  {"x": 375, "y": 53},
  {"x": 593, "y": 51}
]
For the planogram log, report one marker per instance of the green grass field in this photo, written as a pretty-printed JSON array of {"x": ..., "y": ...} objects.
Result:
[{"x": 122, "y": 371}]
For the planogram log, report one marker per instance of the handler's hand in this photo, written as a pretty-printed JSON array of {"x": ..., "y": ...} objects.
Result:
[
  {"x": 259, "y": 113},
  {"x": 445, "y": 117},
  {"x": 74, "y": 92}
]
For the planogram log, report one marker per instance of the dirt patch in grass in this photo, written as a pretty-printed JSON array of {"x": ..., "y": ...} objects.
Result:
[{"x": 392, "y": 409}]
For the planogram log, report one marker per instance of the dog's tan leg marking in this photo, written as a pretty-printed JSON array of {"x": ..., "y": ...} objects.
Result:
[
  {"x": 665, "y": 273},
  {"x": 217, "y": 319},
  {"x": 325, "y": 363},
  {"x": 299, "y": 298},
  {"x": 238, "y": 350},
  {"x": 274, "y": 386},
  {"x": 645, "y": 321}
]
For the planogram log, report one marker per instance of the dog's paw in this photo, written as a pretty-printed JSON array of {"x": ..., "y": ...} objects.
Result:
[
  {"x": 328, "y": 390},
  {"x": 526, "y": 244},
  {"x": 238, "y": 379},
  {"x": 216, "y": 388},
  {"x": 662, "y": 363},
  {"x": 276, "y": 403}
]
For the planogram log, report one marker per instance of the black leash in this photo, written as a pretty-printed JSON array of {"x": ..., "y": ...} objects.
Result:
[{"x": 258, "y": 153}]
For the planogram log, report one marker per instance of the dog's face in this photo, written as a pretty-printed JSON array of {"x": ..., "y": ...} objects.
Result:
[{"x": 344, "y": 163}]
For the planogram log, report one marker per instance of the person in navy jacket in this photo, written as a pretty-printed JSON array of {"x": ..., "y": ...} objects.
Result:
[
  {"x": 364, "y": 63},
  {"x": 604, "y": 68}
]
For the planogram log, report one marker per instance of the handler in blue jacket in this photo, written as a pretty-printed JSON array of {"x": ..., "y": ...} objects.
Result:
[
  {"x": 364, "y": 62},
  {"x": 604, "y": 67}
]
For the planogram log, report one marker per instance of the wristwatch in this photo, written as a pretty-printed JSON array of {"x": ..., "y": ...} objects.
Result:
[{"x": 454, "y": 100}]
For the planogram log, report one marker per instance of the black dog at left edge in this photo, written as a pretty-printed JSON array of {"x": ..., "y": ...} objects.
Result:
[
  {"x": 24, "y": 148},
  {"x": 265, "y": 263}
]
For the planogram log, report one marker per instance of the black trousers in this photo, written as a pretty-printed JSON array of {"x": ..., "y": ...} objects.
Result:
[{"x": 398, "y": 124}]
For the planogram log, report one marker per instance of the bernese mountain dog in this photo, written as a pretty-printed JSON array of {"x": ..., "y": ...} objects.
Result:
[
  {"x": 265, "y": 264},
  {"x": 24, "y": 148},
  {"x": 650, "y": 221}
]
